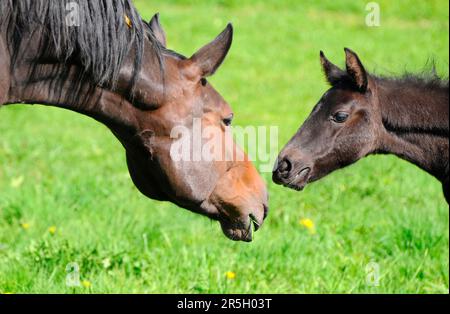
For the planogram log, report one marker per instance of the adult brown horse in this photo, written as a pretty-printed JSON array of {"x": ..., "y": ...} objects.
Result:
[
  {"x": 98, "y": 58},
  {"x": 363, "y": 114}
]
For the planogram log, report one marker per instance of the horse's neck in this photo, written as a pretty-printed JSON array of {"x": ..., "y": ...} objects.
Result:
[
  {"x": 49, "y": 88},
  {"x": 4, "y": 70},
  {"x": 417, "y": 124},
  {"x": 31, "y": 80}
]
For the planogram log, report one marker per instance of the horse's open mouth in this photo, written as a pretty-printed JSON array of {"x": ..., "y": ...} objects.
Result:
[{"x": 300, "y": 181}]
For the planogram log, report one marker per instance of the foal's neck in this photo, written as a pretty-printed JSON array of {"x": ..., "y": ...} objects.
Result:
[{"x": 416, "y": 116}]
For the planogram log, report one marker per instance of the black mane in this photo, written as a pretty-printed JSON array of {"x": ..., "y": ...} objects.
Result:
[
  {"x": 100, "y": 42},
  {"x": 411, "y": 97},
  {"x": 428, "y": 80}
]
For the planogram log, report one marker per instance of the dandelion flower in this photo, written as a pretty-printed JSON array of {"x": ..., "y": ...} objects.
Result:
[
  {"x": 52, "y": 230},
  {"x": 25, "y": 225},
  {"x": 86, "y": 283},
  {"x": 308, "y": 224},
  {"x": 230, "y": 275}
]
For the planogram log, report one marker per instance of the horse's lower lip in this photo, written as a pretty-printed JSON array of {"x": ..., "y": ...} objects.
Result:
[
  {"x": 245, "y": 235},
  {"x": 242, "y": 232}
]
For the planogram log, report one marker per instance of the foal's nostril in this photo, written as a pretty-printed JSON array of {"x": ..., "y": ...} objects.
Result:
[{"x": 284, "y": 167}]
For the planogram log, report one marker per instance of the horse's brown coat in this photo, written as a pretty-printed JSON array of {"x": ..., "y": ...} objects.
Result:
[{"x": 231, "y": 192}]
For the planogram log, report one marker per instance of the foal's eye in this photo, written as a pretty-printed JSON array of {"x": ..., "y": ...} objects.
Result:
[
  {"x": 341, "y": 117},
  {"x": 203, "y": 81},
  {"x": 229, "y": 120}
]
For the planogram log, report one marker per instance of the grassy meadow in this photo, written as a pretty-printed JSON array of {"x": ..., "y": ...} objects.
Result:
[{"x": 66, "y": 196}]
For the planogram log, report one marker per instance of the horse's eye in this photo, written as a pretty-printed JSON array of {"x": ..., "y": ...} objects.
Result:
[
  {"x": 229, "y": 120},
  {"x": 203, "y": 81},
  {"x": 341, "y": 117}
]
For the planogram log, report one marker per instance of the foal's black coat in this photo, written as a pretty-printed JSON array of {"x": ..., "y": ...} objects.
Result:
[{"x": 363, "y": 114}]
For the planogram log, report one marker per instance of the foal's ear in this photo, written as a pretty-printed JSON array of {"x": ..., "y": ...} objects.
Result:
[
  {"x": 356, "y": 70},
  {"x": 157, "y": 30},
  {"x": 209, "y": 58},
  {"x": 332, "y": 72}
]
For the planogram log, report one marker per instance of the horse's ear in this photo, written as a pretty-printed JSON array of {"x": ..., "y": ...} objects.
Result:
[
  {"x": 157, "y": 30},
  {"x": 332, "y": 72},
  {"x": 209, "y": 58},
  {"x": 356, "y": 70}
]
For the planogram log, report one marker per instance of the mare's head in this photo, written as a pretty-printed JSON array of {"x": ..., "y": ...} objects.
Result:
[
  {"x": 176, "y": 104},
  {"x": 342, "y": 128}
]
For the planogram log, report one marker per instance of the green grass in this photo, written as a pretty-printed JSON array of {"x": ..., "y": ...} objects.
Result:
[{"x": 65, "y": 170}]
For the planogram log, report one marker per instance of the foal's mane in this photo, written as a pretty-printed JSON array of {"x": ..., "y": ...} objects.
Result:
[
  {"x": 428, "y": 80},
  {"x": 411, "y": 99},
  {"x": 100, "y": 42}
]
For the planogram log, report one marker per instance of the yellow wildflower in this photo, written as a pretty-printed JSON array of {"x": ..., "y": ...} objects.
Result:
[
  {"x": 25, "y": 225},
  {"x": 86, "y": 283},
  {"x": 52, "y": 230},
  {"x": 308, "y": 224},
  {"x": 230, "y": 275}
]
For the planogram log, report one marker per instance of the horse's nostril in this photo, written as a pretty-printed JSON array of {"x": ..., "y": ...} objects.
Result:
[
  {"x": 266, "y": 211},
  {"x": 284, "y": 167}
]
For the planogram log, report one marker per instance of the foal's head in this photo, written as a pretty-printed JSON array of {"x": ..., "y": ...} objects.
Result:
[
  {"x": 224, "y": 189},
  {"x": 342, "y": 128}
]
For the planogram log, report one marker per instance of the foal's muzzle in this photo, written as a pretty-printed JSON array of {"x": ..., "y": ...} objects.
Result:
[{"x": 291, "y": 173}]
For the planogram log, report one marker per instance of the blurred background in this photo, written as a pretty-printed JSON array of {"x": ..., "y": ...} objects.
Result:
[{"x": 380, "y": 226}]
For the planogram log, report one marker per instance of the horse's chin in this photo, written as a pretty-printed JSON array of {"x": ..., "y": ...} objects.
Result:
[{"x": 238, "y": 231}]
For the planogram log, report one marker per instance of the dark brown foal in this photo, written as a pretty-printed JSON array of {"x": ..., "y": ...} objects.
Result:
[{"x": 363, "y": 114}]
